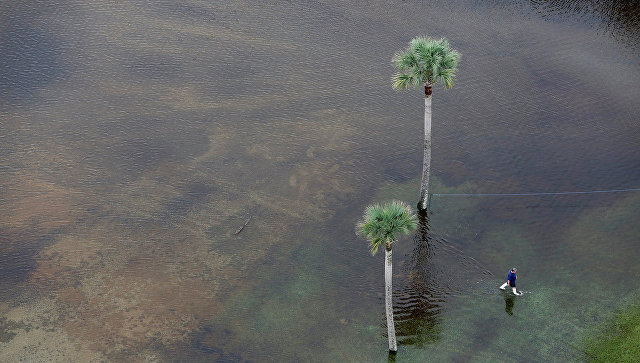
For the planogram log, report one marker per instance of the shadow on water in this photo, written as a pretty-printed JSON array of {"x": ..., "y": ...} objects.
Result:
[
  {"x": 207, "y": 345},
  {"x": 28, "y": 60},
  {"x": 620, "y": 18},
  {"x": 18, "y": 253},
  {"x": 175, "y": 209},
  {"x": 508, "y": 303}
]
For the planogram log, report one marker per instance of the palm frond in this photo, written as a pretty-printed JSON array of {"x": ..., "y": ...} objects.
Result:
[
  {"x": 382, "y": 224},
  {"x": 446, "y": 77},
  {"x": 426, "y": 61},
  {"x": 404, "y": 81},
  {"x": 405, "y": 60}
]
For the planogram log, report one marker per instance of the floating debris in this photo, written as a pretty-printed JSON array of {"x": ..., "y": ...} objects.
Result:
[{"x": 244, "y": 225}]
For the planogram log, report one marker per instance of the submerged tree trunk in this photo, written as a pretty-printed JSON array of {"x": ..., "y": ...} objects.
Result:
[
  {"x": 388, "y": 274},
  {"x": 426, "y": 161}
]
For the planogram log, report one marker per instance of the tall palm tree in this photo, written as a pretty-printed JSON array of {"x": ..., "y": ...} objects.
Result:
[
  {"x": 380, "y": 225},
  {"x": 425, "y": 62}
]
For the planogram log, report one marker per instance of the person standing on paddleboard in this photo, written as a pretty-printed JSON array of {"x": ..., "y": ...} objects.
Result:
[{"x": 511, "y": 281}]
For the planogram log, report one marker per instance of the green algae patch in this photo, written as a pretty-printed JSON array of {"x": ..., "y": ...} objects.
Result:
[
  {"x": 8, "y": 329},
  {"x": 618, "y": 340}
]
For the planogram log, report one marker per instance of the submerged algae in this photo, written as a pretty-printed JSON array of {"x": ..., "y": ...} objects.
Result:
[{"x": 618, "y": 340}]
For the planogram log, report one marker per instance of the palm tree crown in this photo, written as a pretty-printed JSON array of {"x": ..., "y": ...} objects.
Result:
[
  {"x": 426, "y": 61},
  {"x": 382, "y": 223}
]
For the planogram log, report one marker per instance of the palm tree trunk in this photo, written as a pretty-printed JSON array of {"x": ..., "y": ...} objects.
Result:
[
  {"x": 388, "y": 274},
  {"x": 426, "y": 161}
]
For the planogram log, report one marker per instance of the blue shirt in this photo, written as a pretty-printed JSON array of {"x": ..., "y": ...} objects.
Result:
[{"x": 511, "y": 277}]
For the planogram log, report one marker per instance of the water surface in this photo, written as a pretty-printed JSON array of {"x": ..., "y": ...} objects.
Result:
[{"x": 137, "y": 138}]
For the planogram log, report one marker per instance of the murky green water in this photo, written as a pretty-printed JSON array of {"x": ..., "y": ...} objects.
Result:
[{"x": 137, "y": 138}]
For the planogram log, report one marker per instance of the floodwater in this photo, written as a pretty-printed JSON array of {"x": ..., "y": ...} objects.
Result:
[{"x": 137, "y": 138}]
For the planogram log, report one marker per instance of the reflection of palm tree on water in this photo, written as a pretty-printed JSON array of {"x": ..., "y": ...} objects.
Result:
[
  {"x": 433, "y": 261},
  {"x": 418, "y": 303}
]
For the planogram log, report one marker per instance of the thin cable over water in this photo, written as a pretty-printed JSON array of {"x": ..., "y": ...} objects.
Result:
[{"x": 527, "y": 194}]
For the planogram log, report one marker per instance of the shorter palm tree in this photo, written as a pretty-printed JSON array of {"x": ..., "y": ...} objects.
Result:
[{"x": 380, "y": 225}]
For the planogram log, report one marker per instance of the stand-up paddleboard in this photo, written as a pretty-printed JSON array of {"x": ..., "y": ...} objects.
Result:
[
  {"x": 520, "y": 293},
  {"x": 509, "y": 291}
]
